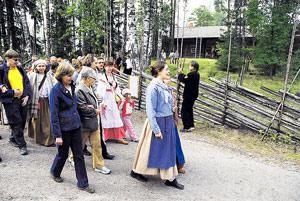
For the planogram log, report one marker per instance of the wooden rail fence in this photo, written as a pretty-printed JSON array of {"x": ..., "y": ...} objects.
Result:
[{"x": 245, "y": 108}]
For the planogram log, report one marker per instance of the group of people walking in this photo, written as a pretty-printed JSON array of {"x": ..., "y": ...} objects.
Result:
[{"x": 68, "y": 104}]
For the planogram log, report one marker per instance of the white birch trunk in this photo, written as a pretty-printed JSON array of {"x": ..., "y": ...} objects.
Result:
[
  {"x": 159, "y": 38},
  {"x": 28, "y": 44},
  {"x": 46, "y": 26},
  {"x": 147, "y": 32},
  {"x": 131, "y": 44}
]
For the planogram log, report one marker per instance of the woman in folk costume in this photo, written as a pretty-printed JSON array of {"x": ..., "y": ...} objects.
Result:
[
  {"x": 39, "y": 112},
  {"x": 156, "y": 151},
  {"x": 110, "y": 116}
]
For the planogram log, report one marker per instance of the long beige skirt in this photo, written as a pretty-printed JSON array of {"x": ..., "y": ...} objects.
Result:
[
  {"x": 142, "y": 154},
  {"x": 39, "y": 128}
]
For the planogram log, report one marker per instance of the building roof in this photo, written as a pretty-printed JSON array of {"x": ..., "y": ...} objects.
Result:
[{"x": 201, "y": 32}]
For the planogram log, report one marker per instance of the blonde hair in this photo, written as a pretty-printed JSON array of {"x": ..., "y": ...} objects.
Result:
[
  {"x": 64, "y": 69},
  {"x": 76, "y": 63}
]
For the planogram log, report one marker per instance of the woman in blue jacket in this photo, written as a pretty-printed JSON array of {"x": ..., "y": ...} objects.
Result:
[
  {"x": 156, "y": 152},
  {"x": 66, "y": 127}
]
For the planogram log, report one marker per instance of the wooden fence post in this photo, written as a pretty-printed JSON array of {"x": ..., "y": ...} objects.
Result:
[
  {"x": 228, "y": 65},
  {"x": 140, "y": 89}
]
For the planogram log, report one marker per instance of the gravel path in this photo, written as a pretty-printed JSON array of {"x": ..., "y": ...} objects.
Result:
[{"x": 213, "y": 173}]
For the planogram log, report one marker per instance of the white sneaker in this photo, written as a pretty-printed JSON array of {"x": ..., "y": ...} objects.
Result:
[
  {"x": 71, "y": 162},
  {"x": 191, "y": 129},
  {"x": 103, "y": 170}
]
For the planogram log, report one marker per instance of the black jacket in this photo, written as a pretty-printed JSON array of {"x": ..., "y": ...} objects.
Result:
[
  {"x": 9, "y": 95},
  {"x": 191, "y": 82}
]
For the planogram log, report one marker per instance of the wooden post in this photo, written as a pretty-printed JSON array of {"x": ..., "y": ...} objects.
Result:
[
  {"x": 286, "y": 89},
  {"x": 196, "y": 47},
  {"x": 228, "y": 66},
  {"x": 182, "y": 38},
  {"x": 200, "y": 49},
  {"x": 140, "y": 89}
]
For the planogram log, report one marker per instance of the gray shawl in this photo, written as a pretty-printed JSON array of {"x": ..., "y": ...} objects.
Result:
[{"x": 34, "y": 101}]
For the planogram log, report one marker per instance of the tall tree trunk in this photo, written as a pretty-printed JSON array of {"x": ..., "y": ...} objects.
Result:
[
  {"x": 80, "y": 38},
  {"x": 48, "y": 27},
  {"x": 111, "y": 20},
  {"x": 44, "y": 26},
  {"x": 159, "y": 34},
  {"x": 28, "y": 42},
  {"x": 126, "y": 8},
  {"x": 34, "y": 44},
  {"x": 132, "y": 42},
  {"x": 172, "y": 25},
  {"x": 10, "y": 20},
  {"x": 149, "y": 10},
  {"x": 5, "y": 36}
]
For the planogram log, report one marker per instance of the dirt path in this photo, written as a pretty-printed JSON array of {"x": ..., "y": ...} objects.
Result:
[{"x": 213, "y": 173}]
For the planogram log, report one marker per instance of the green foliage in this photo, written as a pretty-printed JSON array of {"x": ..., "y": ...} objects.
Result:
[
  {"x": 60, "y": 23},
  {"x": 91, "y": 15},
  {"x": 271, "y": 24},
  {"x": 208, "y": 68},
  {"x": 205, "y": 17},
  {"x": 239, "y": 50}
]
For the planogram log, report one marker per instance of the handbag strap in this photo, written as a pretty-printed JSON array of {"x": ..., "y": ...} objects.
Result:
[{"x": 42, "y": 82}]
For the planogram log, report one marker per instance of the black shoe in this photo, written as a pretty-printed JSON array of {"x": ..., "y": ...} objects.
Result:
[
  {"x": 23, "y": 151},
  {"x": 86, "y": 152},
  {"x": 0, "y": 137},
  {"x": 56, "y": 179},
  {"x": 87, "y": 189},
  {"x": 174, "y": 184},
  {"x": 0, "y": 159},
  {"x": 13, "y": 143},
  {"x": 184, "y": 130},
  {"x": 137, "y": 176},
  {"x": 109, "y": 156}
]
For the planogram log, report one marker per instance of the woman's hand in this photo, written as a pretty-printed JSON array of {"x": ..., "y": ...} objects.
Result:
[
  {"x": 97, "y": 111},
  {"x": 114, "y": 85},
  {"x": 159, "y": 135},
  {"x": 59, "y": 141},
  {"x": 175, "y": 109}
]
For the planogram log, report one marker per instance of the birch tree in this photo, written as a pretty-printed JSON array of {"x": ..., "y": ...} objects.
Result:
[
  {"x": 47, "y": 28},
  {"x": 131, "y": 45},
  {"x": 27, "y": 42}
]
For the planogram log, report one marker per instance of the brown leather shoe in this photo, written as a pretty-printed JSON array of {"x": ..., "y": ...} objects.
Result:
[{"x": 123, "y": 142}]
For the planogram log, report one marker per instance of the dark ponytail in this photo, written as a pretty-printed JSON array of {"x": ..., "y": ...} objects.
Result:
[{"x": 157, "y": 67}]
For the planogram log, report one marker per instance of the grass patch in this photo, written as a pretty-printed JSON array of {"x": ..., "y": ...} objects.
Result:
[{"x": 208, "y": 68}]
